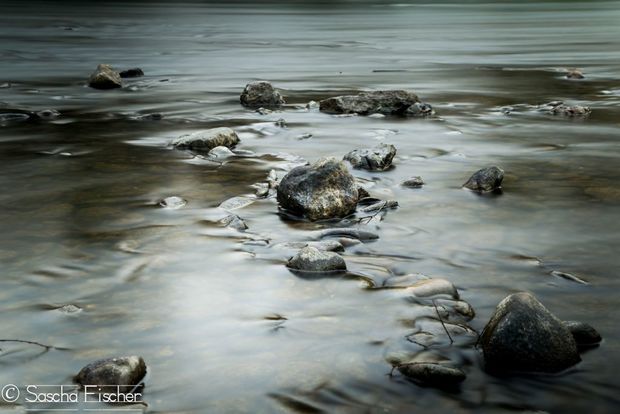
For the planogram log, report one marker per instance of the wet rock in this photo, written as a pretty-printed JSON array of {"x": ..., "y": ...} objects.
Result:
[
  {"x": 131, "y": 73},
  {"x": 234, "y": 222},
  {"x": 173, "y": 202},
  {"x": 362, "y": 193},
  {"x": 280, "y": 123},
  {"x": 261, "y": 94},
  {"x": 574, "y": 74},
  {"x": 433, "y": 287},
  {"x": 362, "y": 235},
  {"x": 48, "y": 114},
  {"x": 404, "y": 280},
  {"x": 221, "y": 152},
  {"x": 378, "y": 158},
  {"x": 486, "y": 179},
  {"x": 105, "y": 77},
  {"x": 433, "y": 374},
  {"x": 312, "y": 105},
  {"x": 419, "y": 109},
  {"x": 122, "y": 371},
  {"x": 583, "y": 334},
  {"x": 69, "y": 309},
  {"x": 458, "y": 307},
  {"x": 207, "y": 140},
  {"x": 394, "y": 102},
  {"x": 413, "y": 182},
  {"x": 327, "y": 245},
  {"x": 522, "y": 335},
  {"x": 559, "y": 108},
  {"x": 323, "y": 190},
  {"x": 568, "y": 276},
  {"x": 235, "y": 203},
  {"x": 379, "y": 206},
  {"x": 311, "y": 259}
]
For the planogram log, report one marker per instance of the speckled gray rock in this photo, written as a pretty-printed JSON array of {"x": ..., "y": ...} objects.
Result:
[
  {"x": 485, "y": 180},
  {"x": 523, "y": 336},
  {"x": 584, "y": 334},
  {"x": 323, "y": 190},
  {"x": 378, "y": 158},
  {"x": 207, "y": 140},
  {"x": 560, "y": 108},
  {"x": 260, "y": 94},
  {"x": 105, "y": 77},
  {"x": 433, "y": 374},
  {"x": 413, "y": 182},
  {"x": 311, "y": 259},
  {"x": 393, "y": 102},
  {"x": 124, "y": 371}
]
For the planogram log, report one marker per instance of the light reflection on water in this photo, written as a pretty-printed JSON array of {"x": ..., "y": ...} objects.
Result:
[{"x": 80, "y": 225}]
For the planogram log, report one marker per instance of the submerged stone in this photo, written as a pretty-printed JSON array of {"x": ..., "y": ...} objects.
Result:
[
  {"x": 173, "y": 202},
  {"x": 523, "y": 336},
  {"x": 378, "y": 158},
  {"x": 433, "y": 287},
  {"x": 413, "y": 182},
  {"x": 131, "y": 73},
  {"x": 433, "y": 374},
  {"x": 560, "y": 108}
]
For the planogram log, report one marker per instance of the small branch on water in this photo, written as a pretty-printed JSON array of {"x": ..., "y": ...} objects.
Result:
[
  {"x": 442, "y": 324},
  {"x": 369, "y": 218},
  {"x": 23, "y": 341}
]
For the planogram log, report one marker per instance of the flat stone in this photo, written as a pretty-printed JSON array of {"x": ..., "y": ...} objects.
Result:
[
  {"x": 391, "y": 102},
  {"x": 433, "y": 287},
  {"x": 433, "y": 374},
  {"x": 311, "y": 259},
  {"x": 207, "y": 140},
  {"x": 413, "y": 182}
]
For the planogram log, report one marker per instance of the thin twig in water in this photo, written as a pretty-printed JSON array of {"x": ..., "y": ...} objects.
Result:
[
  {"x": 374, "y": 215},
  {"x": 442, "y": 324},
  {"x": 23, "y": 341}
]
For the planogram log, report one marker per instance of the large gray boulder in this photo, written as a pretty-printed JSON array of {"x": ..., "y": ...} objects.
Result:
[
  {"x": 523, "y": 336},
  {"x": 105, "y": 77},
  {"x": 261, "y": 94},
  {"x": 393, "y": 102},
  {"x": 207, "y": 140},
  {"x": 126, "y": 372},
  {"x": 486, "y": 180},
  {"x": 378, "y": 158},
  {"x": 311, "y": 259},
  {"x": 323, "y": 190}
]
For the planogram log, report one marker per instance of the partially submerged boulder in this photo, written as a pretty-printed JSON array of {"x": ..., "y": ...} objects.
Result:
[
  {"x": 323, "y": 190},
  {"x": 574, "y": 74},
  {"x": 378, "y": 158},
  {"x": 126, "y": 372},
  {"x": 131, "y": 73},
  {"x": 105, "y": 77},
  {"x": 261, "y": 94},
  {"x": 207, "y": 140},
  {"x": 433, "y": 374},
  {"x": 486, "y": 180},
  {"x": 584, "y": 334},
  {"x": 560, "y": 108},
  {"x": 523, "y": 336},
  {"x": 413, "y": 182},
  {"x": 311, "y": 259},
  {"x": 391, "y": 102}
]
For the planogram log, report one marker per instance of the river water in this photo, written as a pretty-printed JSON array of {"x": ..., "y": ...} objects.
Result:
[{"x": 80, "y": 224}]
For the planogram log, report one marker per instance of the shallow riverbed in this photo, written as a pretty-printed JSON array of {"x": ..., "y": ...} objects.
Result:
[{"x": 80, "y": 224}]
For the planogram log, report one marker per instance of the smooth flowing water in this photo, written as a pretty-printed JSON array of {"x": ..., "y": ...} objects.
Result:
[{"x": 204, "y": 304}]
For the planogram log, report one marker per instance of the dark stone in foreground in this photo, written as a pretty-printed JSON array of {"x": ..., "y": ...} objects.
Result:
[
  {"x": 311, "y": 259},
  {"x": 261, "y": 94},
  {"x": 485, "y": 180},
  {"x": 323, "y": 190},
  {"x": 131, "y": 73},
  {"x": 378, "y": 158},
  {"x": 396, "y": 102},
  {"x": 584, "y": 334},
  {"x": 433, "y": 374},
  {"x": 523, "y": 336},
  {"x": 105, "y": 77},
  {"x": 207, "y": 140},
  {"x": 122, "y": 371}
]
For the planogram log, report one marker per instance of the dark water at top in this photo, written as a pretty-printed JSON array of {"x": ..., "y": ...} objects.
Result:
[{"x": 79, "y": 222}]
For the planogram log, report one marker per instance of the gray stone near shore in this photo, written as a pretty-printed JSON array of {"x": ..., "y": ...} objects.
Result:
[
  {"x": 311, "y": 259},
  {"x": 105, "y": 77},
  {"x": 560, "y": 108},
  {"x": 125, "y": 371},
  {"x": 523, "y": 336},
  {"x": 378, "y": 158},
  {"x": 205, "y": 141},
  {"x": 261, "y": 94},
  {"x": 486, "y": 180},
  {"x": 323, "y": 190},
  {"x": 583, "y": 333},
  {"x": 433, "y": 374},
  {"x": 391, "y": 102}
]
